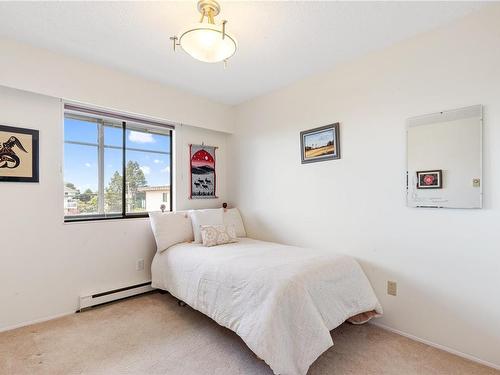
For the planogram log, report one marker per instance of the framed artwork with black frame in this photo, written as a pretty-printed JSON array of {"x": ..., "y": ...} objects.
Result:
[
  {"x": 18, "y": 154},
  {"x": 430, "y": 179},
  {"x": 320, "y": 144}
]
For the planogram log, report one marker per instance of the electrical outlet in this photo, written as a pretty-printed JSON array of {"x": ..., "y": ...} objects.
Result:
[
  {"x": 392, "y": 288},
  {"x": 140, "y": 265}
]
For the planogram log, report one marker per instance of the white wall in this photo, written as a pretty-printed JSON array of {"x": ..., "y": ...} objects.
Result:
[
  {"x": 45, "y": 263},
  {"x": 446, "y": 262},
  {"x": 187, "y": 135},
  {"x": 25, "y": 67}
]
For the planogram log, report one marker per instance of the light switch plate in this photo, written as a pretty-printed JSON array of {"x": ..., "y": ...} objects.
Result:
[
  {"x": 139, "y": 265},
  {"x": 392, "y": 288}
]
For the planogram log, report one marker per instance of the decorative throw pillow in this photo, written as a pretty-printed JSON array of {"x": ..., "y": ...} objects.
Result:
[
  {"x": 232, "y": 216},
  {"x": 213, "y": 235},
  {"x": 170, "y": 228},
  {"x": 205, "y": 217}
]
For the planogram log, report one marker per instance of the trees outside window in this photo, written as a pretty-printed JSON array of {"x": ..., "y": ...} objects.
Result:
[{"x": 97, "y": 152}]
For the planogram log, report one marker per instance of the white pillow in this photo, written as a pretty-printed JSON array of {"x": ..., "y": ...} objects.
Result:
[
  {"x": 205, "y": 217},
  {"x": 213, "y": 235},
  {"x": 232, "y": 216},
  {"x": 170, "y": 228}
]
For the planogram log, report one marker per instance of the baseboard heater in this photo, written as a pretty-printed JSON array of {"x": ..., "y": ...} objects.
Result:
[{"x": 113, "y": 295}]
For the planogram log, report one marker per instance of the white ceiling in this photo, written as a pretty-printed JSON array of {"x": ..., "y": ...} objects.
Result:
[{"x": 279, "y": 42}]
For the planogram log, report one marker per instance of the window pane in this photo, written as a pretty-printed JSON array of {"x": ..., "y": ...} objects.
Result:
[
  {"x": 148, "y": 181},
  {"x": 113, "y": 168},
  {"x": 94, "y": 163},
  {"x": 113, "y": 180},
  {"x": 80, "y": 131},
  {"x": 148, "y": 141},
  {"x": 113, "y": 135},
  {"x": 80, "y": 179}
]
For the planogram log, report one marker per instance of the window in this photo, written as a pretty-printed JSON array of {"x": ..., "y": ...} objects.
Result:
[{"x": 114, "y": 166}]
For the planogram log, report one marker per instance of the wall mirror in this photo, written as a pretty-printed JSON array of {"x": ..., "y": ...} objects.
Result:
[{"x": 444, "y": 159}]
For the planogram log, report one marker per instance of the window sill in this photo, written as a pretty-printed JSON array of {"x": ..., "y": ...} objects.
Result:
[{"x": 104, "y": 219}]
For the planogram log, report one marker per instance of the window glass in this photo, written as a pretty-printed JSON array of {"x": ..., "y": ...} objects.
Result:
[
  {"x": 113, "y": 135},
  {"x": 147, "y": 170},
  {"x": 94, "y": 163},
  {"x": 151, "y": 141},
  {"x": 80, "y": 179},
  {"x": 80, "y": 130},
  {"x": 113, "y": 176}
]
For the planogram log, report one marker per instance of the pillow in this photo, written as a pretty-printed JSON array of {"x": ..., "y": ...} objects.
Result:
[
  {"x": 170, "y": 228},
  {"x": 213, "y": 235},
  {"x": 232, "y": 216},
  {"x": 205, "y": 217}
]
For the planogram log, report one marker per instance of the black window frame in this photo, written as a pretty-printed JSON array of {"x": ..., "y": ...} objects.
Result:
[{"x": 163, "y": 129}]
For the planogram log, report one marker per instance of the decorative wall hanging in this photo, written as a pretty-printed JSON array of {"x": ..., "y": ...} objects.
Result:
[
  {"x": 430, "y": 179},
  {"x": 18, "y": 154},
  {"x": 320, "y": 144},
  {"x": 203, "y": 179}
]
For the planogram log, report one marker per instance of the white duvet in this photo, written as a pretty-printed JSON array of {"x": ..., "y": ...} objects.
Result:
[{"x": 281, "y": 300}]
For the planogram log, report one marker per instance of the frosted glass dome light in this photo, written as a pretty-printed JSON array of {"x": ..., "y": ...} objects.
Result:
[{"x": 206, "y": 41}]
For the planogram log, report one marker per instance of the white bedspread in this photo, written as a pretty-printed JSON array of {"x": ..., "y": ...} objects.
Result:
[{"x": 281, "y": 300}]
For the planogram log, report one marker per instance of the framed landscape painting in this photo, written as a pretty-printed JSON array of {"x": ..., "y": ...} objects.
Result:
[
  {"x": 320, "y": 144},
  {"x": 18, "y": 154}
]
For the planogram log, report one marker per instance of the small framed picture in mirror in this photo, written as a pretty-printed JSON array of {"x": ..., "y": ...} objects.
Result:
[{"x": 430, "y": 179}]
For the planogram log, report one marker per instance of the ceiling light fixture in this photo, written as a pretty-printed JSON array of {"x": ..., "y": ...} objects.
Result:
[{"x": 207, "y": 41}]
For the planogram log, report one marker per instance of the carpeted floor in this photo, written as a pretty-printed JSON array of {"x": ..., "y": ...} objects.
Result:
[{"x": 151, "y": 334}]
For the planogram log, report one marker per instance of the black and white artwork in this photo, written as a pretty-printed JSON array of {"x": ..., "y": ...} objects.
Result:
[{"x": 18, "y": 154}]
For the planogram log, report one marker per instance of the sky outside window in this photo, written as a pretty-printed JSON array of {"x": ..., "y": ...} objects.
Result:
[{"x": 80, "y": 162}]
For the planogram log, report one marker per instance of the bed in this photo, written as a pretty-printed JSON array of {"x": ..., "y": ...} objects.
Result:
[{"x": 283, "y": 301}]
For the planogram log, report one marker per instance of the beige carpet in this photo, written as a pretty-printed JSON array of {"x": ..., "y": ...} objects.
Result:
[{"x": 151, "y": 334}]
